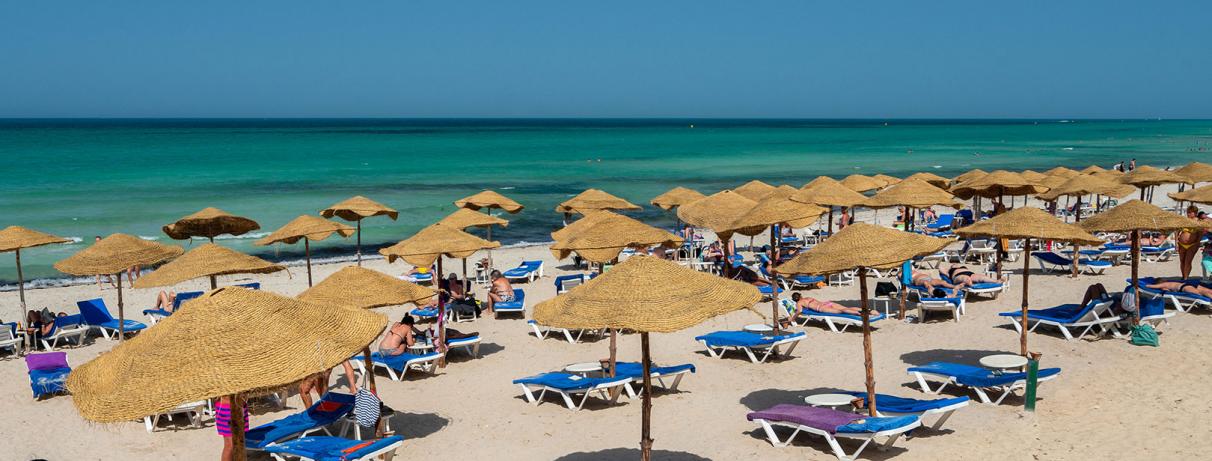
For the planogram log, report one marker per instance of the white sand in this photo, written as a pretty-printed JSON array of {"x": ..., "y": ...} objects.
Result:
[{"x": 1113, "y": 400}]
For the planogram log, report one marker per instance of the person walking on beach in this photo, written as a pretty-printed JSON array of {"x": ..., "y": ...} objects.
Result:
[
  {"x": 1187, "y": 241},
  {"x": 223, "y": 425},
  {"x": 1132, "y": 165}
]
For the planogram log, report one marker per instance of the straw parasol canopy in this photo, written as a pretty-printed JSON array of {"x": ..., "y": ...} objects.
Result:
[
  {"x": 16, "y": 238},
  {"x": 754, "y": 190},
  {"x": 1092, "y": 169},
  {"x": 887, "y": 180},
  {"x": 1033, "y": 176},
  {"x": 363, "y": 288},
  {"x": 911, "y": 193},
  {"x": 209, "y": 222},
  {"x": 860, "y": 183},
  {"x": 464, "y": 218},
  {"x": 1109, "y": 175},
  {"x": 781, "y": 192},
  {"x": 1196, "y": 172},
  {"x": 306, "y": 228},
  {"x": 1062, "y": 171},
  {"x": 115, "y": 254},
  {"x": 1146, "y": 176},
  {"x": 863, "y": 246},
  {"x": 827, "y": 191},
  {"x": 648, "y": 295},
  {"x": 355, "y": 209},
  {"x": 228, "y": 353},
  {"x": 1028, "y": 223},
  {"x": 431, "y": 242},
  {"x": 997, "y": 184},
  {"x": 1085, "y": 184},
  {"x": 489, "y": 199},
  {"x": 716, "y": 211},
  {"x": 1054, "y": 180},
  {"x": 576, "y": 227},
  {"x": 676, "y": 197},
  {"x": 594, "y": 199},
  {"x": 773, "y": 211},
  {"x": 969, "y": 175},
  {"x": 208, "y": 260},
  {"x": 1197, "y": 195},
  {"x": 930, "y": 178},
  {"x": 602, "y": 242}
]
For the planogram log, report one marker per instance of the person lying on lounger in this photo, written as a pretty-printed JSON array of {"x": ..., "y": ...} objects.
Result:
[
  {"x": 1184, "y": 287},
  {"x": 828, "y": 307},
  {"x": 962, "y": 276},
  {"x": 931, "y": 283},
  {"x": 747, "y": 275}
]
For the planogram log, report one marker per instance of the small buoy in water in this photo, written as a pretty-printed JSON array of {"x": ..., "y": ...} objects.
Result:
[{"x": 692, "y": 125}]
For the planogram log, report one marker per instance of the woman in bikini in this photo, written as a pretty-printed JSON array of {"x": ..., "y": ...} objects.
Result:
[
  {"x": 828, "y": 307},
  {"x": 930, "y": 283},
  {"x": 1183, "y": 287},
  {"x": 962, "y": 276},
  {"x": 1187, "y": 241}
]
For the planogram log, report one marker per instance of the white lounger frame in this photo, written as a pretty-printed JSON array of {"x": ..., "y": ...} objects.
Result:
[
  {"x": 1093, "y": 320},
  {"x": 8, "y": 341},
  {"x": 425, "y": 364},
  {"x": 832, "y": 439},
  {"x": 530, "y": 277},
  {"x": 542, "y": 332},
  {"x": 471, "y": 345},
  {"x": 946, "y": 413},
  {"x": 1068, "y": 268},
  {"x": 191, "y": 410},
  {"x": 981, "y": 392},
  {"x": 940, "y": 305},
  {"x": 610, "y": 392},
  {"x": 767, "y": 350},
  {"x": 638, "y": 389},
  {"x": 389, "y": 451},
  {"x": 75, "y": 335}
]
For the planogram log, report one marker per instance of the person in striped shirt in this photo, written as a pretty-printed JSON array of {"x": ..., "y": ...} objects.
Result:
[{"x": 223, "y": 424}]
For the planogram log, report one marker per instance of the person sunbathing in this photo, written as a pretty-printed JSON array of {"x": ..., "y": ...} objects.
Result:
[
  {"x": 747, "y": 275},
  {"x": 828, "y": 307},
  {"x": 501, "y": 291},
  {"x": 164, "y": 300},
  {"x": 962, "y": 276},
  {"x": 400, "y": 337},
  {"x": 931, "y": 283},
  {"x": 1182, "y": 287}
]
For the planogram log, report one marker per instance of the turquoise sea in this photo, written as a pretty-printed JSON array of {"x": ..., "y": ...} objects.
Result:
[{"x": 81, "y": 178}]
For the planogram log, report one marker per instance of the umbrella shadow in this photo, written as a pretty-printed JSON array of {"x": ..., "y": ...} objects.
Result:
[
  {"x": 766, "y": 398},
  {"x": 963, "y": 356},
  {"x": 416, "y": 425},
  {"x": 486, "y": 349},
  {"x": 614, "y": 454}
]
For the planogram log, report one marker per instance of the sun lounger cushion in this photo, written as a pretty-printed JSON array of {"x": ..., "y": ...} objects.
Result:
[
  {"x": 973, "y": 376},
  {"x": 742, "y": 338},
  {"x": 830, "y": 420},
  {"x": 331, "y": 408},
  {"x": 1064, "y": 313},
  {"x": 160, "y": 312},
  {"x": 96, "y": 314},
  {"x": 894, "y": 404},
  {"x": 564, "y": 381},
  {"x": 323, "y": 448},
  {"x": 873, "y": 425},
  {"x": 637, "y": 369},
  {"x": 858, "y": 318},
  {"x": 523, "y": 269},
  {"x": 183, "y": 297},
  {"x": 47, "y": 373},
  {"x": 399, "y": 361}
]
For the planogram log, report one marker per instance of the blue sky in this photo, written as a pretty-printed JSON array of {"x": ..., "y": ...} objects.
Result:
[{"x": 412, "y": 58}]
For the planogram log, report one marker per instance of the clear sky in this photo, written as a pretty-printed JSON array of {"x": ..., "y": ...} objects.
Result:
[{"x": 569, "y": 58}]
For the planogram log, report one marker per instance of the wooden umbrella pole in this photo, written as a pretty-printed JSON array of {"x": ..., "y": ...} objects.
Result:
[
  {"x": 307, "y": 254},
  {"x": 214, "y": 282},
  {"x": 237, "y": 428},
  {"x": 1077, "y": 209},
  {"x": 440, "y": 344},
  {"x": 1136, "y": 274},
  {"x": 646, "y": 407},
  {"x": 1026, "y": 272},
  {"x": 774, "y": 282},
  {"x": 20, "y": 282},
  {"x": 489, "y": 268},
  {"x": 867, "y": 362},
  {"x": 359, "y": 244},
  {"x": 121, "y": 314},
  {"x": 830, "y": 232},
  {"x": 727, "y": 258},
  {"x": 614, "y": 342}
]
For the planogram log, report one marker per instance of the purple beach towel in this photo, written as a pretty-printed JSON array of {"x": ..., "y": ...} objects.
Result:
[
  {"x": 47, "y": 361},
  {"x": 825, "y": 419}
]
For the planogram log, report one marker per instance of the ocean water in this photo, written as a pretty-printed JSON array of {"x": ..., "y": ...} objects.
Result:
[{"x": 81, "y": 178}]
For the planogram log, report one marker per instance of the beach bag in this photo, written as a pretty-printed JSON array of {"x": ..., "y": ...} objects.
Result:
[
  {"x": 1144, "y": 335},
  {"x": 366, "y": 406},
  {"x": 884, "y": 289},
  {"x": 1128, "y": 301}
]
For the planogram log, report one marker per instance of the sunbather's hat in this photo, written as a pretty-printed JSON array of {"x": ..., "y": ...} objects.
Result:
[
  {"x": 209, "y": 222},
  {"x": 594, "y": 199},
  {"x": 228, "y": 341},
  {"x": 309, "y": 227},
  {"x": 1137, "y": 215},
  {"x": 115, "y": 254},
  {"x": 16, "y": 237},
  {"x": 602, "y": 242},
  {"x": 358, "y": 207},
  {"x": 676, "y": 197},
  {"x": 359, "y": 287},
  {"x": 204, "y": 261},
  {"x": 1197, "y": 195},
  {"x": 1197, "y": 172},
  {"x": 912, "y": 193},
  {"x": 1028, "y": 222},
  {"x": 716, "y": 211},
  {"x": 646, "y": 294},
  {"x": 466, "y": 217},
  {"x": 424, "y": 248},
  {"x": 1085, "y": 184},
  {"x": 862, "y": 245},
  {"x": 489, "y": 199},
  {"x": 754, "y": 190},
  {"x": 1145, "y": 175}
]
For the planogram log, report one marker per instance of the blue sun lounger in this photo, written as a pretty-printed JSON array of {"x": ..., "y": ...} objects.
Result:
[
  {"x": 528, "y": 271},
  {"x": 983, "y": 288},
  {"x": 517, "y": 306},
  {"x": 96, "y": 315},
  {"x": 1157, "y": 253},
  {"x": 837, "y": 323},
  {"x": 890, "y": 405},
  {"x": 48, "y": 373},
  {"x": 1094, "y": 316},
  {"x": 636, "y": 371},
  {"x": 1052, "y": 262},
  {"x": 398, "y": 365},
  {"x": 1181, "y": 300},
  {"x": 318, "y": 417},
  {"x": 156, "y": 315},
  {"x": 567, "y": 385},
  {"x": 68, "y": 328},
  {"x": 751, "y": 344},
  {"x": 981, "y": 380},
  {"x": 833, "y": 425},
  {"x": 323, "y": 448}
]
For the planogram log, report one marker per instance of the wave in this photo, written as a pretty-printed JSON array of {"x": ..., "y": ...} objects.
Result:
[
  {"x": 250, "y": 235},
  {"x": 149, "y": 238}
]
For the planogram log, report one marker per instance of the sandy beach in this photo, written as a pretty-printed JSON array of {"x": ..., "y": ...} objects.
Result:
[{"x": 1112, "y": 400}]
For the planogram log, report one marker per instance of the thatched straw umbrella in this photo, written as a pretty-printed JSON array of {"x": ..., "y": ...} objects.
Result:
[
  {"x": 209, "y": 222},
  {"x": 593, "y": 200},
  {"x": 360, "y": 288},
  {"x": 968, "y": 176},
  {"x": 1198, "y": 195},
  {"x": 489, "y": 199},
  {"x": 783, "y": 191},
  {"x": 674, "y": 198},
  {"x": 113, "y": 255},
  {"x": 863, "y": 246},
  {"x": 427, "y": 247},
  {"x": 1033, "y": 176},
  {"x": 766, "y": 215},
  {"x": 910, "y": 193},
  {"x": 1145, "y": 177},
  {"x": 754, "y": 190},
  {"x": 356, "y": 209},
  {"x": 14, "y": 239},
  {"x": 860, "y": 183},
  {"x": 930, "y": 178},
  {"x": 1082, "y": 185},
  {"x": 1092, "y": 169},
  {"x": 209, "y": 260},
  {"x": 826, "y": 191},
  {"x": 1028, "y": 223},
  {"x": 603, "y": 242},
  {"x": 158, "y": 370},
  {"x": 466, "y": 218},
  {"x": 306, "y": 228},
  {"x": 997, "y": 184},
  {"x": 1062, "y": 171},
  {"x": 1196, "y": 172},
  {"x": 886, "y": 179},
  {"x": 1133, "y": 217},
  {"x": 630, "y": 296},
  {"x": 716, "y": 212}
]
